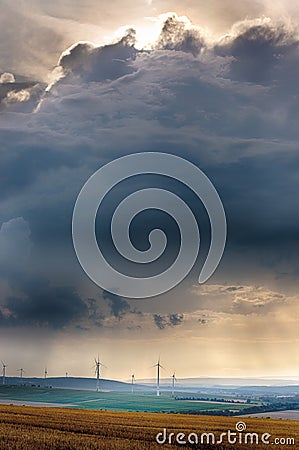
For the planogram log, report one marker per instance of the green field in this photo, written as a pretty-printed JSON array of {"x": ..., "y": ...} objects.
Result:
[{"x": 111, "y": 400}]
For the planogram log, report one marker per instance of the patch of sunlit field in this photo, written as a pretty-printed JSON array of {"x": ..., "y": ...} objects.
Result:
[{"x": 26, "y": 428}]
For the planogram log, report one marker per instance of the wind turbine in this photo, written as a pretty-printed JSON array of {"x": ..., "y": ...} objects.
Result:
[
  {"x": 173, "y": 383},
  {"x": 46, "y": 372},
  {"x": 21, "y": 372},
  {"x": 97, "y": 366},
  {"x": 133, "y": 381},
  {"x": 158, "y": 365},
  {"x": 3, "y": 372}
]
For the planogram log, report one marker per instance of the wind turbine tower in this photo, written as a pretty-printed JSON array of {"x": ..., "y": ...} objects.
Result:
[
  {"x": 3, "y": 372},
  {"x": 133, "y": 381},
  {"x": 158, "y": 365},
  {"x": 97, "y": 366},
  {"x": 21, "y": 372},
  {"x": 173, "y": 383}
]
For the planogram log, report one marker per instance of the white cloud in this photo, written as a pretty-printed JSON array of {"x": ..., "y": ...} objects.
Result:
[
  {"x": 245, "y": 299},
  {"x": 7, "y": 77},
  {"x": 18, "y": 96}
]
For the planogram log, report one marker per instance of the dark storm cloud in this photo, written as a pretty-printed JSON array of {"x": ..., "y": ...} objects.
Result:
[
  {"x": 45, "y": 306},
  {"x": 2, "y": 319},
  {"x": 170, "y": 320},
  {"x": 175, "y": 319},
  {"x": 33, "y": 302},
  {"x": 119, "y": 306},
  {"x": 160, "y": 321},
  {"x": 95, "y": 316},
  {"x": 14, "y": 242},
  {"x": 112, "y": 101},
  {"x": 26, "y": 159}
]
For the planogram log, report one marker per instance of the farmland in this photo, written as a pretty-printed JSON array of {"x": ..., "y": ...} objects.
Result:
[
  {"x": 119, "y": 401},
  {"x": 23, "y": 427}
]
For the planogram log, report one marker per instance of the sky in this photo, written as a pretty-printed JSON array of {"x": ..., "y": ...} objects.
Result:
[{"x": 83, "y": 83}]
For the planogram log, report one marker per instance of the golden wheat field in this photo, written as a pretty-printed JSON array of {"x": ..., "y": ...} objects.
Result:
[{"x": 23, "y": 427}]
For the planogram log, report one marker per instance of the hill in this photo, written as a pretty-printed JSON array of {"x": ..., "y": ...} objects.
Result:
[{"x": 76, "y": 383}]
